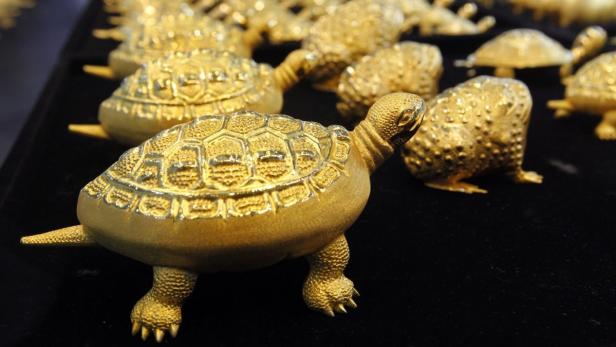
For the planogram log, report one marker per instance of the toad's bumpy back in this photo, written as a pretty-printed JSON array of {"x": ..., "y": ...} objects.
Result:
[{"x": 474, "y": 128}]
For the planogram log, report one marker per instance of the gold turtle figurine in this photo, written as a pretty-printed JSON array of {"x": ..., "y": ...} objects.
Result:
[
  {"x": 407, "y": 67},
  {"x": 354, "y": 29},
  {"x": 569, "y": 11},
  {"x": 237, "y": 192},
  {"x": 437, "y": 19},
  {"x": 177, "y": 33},
  {"x": 592, "y": 90},
  {"x": 184, "y": 85},
  {"x": 477, "y": 127},
  {"x": 528, "y": 48}
]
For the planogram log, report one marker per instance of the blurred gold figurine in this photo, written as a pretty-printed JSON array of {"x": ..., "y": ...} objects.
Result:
[
  {"x": 475, "y": 128},
  {"x": 570, "y": 11},
  {"x": 185, "y": 85},
  {"x": 528, "y": 48},
  {"x": 237, "y": 192},
  {"x": 407, "y": 67},
  {"x": 437, "y": 19},
  {"x": 9, "y": 9},
  {"x": 175, "y": 33},
  {"x": 592, "y": 90}
]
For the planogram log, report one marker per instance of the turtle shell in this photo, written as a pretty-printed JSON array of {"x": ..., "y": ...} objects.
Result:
[
  {"x": 408, "y": 67},
  {"x": 228, "y": 192},
  {"x": 147, "y": 42},
  {"x": 355, "y": 29},
  {"x": 521, "y": 48},
  {"x": 184, "y": 85},
  {"x": 593, "y": 87}
]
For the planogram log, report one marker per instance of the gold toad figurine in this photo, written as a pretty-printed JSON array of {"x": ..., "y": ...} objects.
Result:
[
  {"x": 177, "y": 33},
  {"x": 354, "y": 29},
  {"x": 592, "y": 90},
  {"x": 407, "y": 67},
  {"x": 237, "y": 192},
  {"x": 472, "y": 129},
  {"x": 437, "y": 19},
  {"x": 184, "y": 85}
]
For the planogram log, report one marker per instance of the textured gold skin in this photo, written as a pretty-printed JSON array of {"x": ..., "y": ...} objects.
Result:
[
  {"x": 472, "y": 129},
  {"x": 355, "y": 29},
  {"x": 592, "y": 90},
  {"x": 185, "y": 85},
  {"x": 235, "y": 192},
  {"x": 175, "y": 34},
  {"x": 528, "y": 48},
  {"x": 407, "y": 67},
  {"x": 569, "y": 11}
]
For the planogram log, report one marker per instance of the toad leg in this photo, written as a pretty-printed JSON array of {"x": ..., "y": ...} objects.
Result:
[
  {"x": 160, "y": 310},
  {"x": 454, "y": 184},
  {"x": 327, "y": 289},
  {"x": 606, "y": 130}
]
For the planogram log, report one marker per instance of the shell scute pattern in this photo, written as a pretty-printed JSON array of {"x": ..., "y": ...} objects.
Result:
[
  {"x": 596, "y": 81},
  {"x": 475, "y": 127},
  {"x": 184, "y": 85},
  {"x": 226, "y": 166},
  {"x": 512, "y": 49}
]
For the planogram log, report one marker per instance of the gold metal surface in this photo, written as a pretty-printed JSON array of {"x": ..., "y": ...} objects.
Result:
[
  {"x": 407, "y": 67},
  {"x": 592, "y": 90},
  {"x": 10, "y": 9},
  {"x": 184, "y": 85},
  {"x": 568, "y": 12},
  {"x": 236, "y": 192},
  {"x": 357, "y": 28},
  {"x": 477, "y": 127},
  {"x": 177, "y": 33},
  {"x": 528, "y": 48}
]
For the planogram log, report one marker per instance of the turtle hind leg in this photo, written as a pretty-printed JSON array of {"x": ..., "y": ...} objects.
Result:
[
  {"x": 160, "y": 310},
  {"x": 521, "y": 176},
  {"x": 504, "y": 72},
  {"x": 327, "y": 289},
  {"x": 455, "y": 185},
  {"x": 606, "y": 130}
]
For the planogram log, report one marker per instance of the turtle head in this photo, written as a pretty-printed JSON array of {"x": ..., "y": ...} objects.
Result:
[{"x": 390, "y": 122}]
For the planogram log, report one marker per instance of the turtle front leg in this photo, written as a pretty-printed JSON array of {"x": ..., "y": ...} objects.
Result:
[
  {"x": 160, "y": 310},
  {"x": 327, "y": 289},
  {"x": 606, "y": 130}
]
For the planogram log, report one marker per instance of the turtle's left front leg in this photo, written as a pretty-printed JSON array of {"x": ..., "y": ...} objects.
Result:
[
  {"x": 160, "y": 310},
  {"x": 606, "y": 130},
  {"x": 327, "y": 289}
]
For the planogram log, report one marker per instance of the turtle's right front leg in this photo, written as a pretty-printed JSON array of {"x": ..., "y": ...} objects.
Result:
[
  {"x": 327, "y": 289},
  {"x": 606, "y": 130},
  {"x": 160, "y": 310}
]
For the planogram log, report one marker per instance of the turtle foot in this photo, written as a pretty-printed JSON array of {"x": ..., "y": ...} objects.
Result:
[
  {"x": 151, "y": 316},
  {"x": 522, "y": 176},
  {"x": 330, "y": 296},
  {"x": 606, "y": 131}
]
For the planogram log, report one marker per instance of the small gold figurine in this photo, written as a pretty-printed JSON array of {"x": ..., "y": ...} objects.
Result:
[
  {"x": 592, "y": 90},
  {"x": 184, "y": 85},
  {"x": 174, "y": 34},
  {"x": 528, "y": 48},
  {"x": 357, "y": 28},
  {"x": 472, "y": 129},
  {"x": 407, "y": 67},
  {"x": 280, "y": 24},
  {"x": 238, "y": 192},
  {"x": 437, "y": 19},
  {"x": 570, "y": 11}
]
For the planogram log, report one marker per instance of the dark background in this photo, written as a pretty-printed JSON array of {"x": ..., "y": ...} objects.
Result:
[{"x": 525, "y": 265}]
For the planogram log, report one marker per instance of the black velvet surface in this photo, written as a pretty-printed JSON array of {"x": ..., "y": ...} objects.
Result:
[{"x": 525, "y": 265}]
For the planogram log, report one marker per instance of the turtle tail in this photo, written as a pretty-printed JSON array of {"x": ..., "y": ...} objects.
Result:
[{"x": 70, "y": 236}]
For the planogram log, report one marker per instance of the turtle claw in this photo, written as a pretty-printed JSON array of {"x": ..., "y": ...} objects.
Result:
[
  {"x": 173, "y": 330},
  {"x": 340, "y": 308},
  {"x": 159, "y": 334},
  {"x": 136, "y": 328},
  {"x": 352, "y": 303},
  {"x": 355, "y": 293},
  {"x": 145, "y": 332}
]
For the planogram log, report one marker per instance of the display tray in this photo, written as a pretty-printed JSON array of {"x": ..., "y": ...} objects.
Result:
[{"x": 525, "y": 265}]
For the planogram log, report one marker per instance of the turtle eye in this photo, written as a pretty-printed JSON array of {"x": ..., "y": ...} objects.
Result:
[{"x": 411, "y": 116}]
